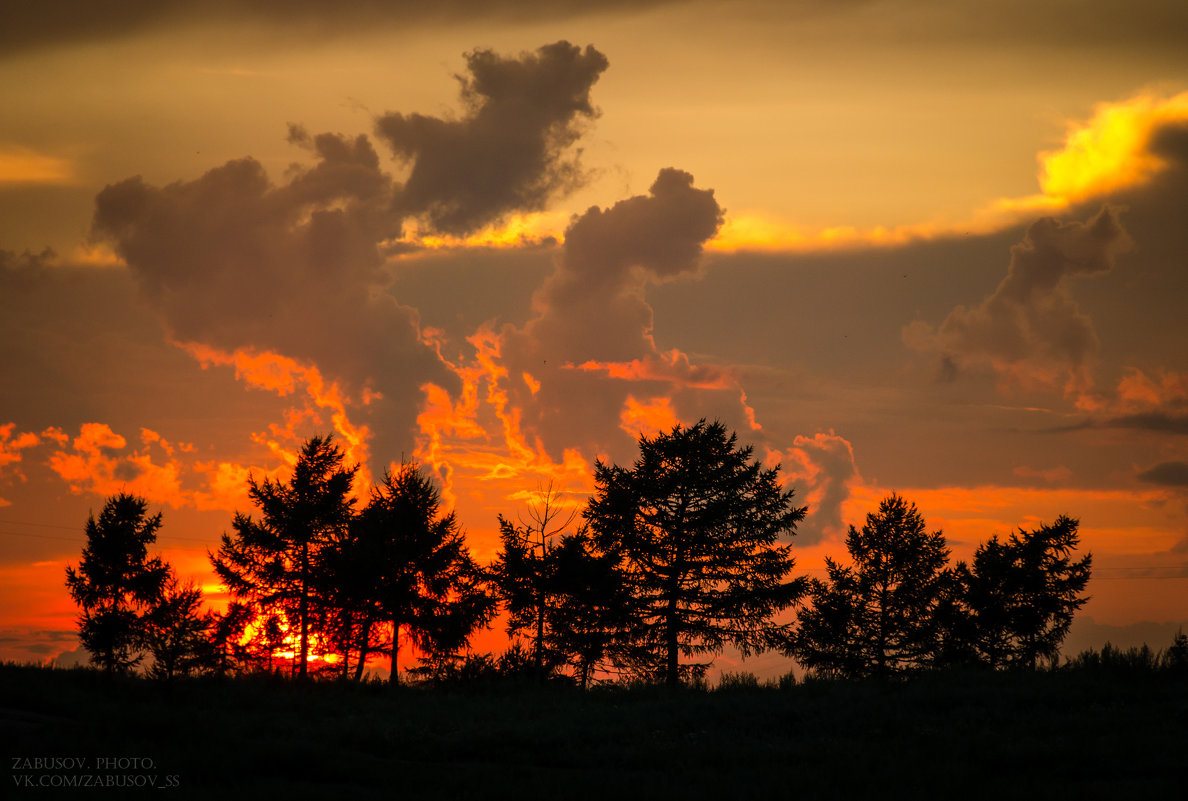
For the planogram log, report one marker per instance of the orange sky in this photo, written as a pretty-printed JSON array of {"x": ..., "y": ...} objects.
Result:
[{"x": 895, "y": 250}]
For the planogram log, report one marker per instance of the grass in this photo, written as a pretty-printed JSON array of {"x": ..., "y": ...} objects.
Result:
[{"x": 1056, "y": 735}]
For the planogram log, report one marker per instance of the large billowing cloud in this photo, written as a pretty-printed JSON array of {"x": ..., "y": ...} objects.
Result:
[
  {"x": 234, "y": 261},
  {"x": 593, "y": 322},
  {"x": 593, "y": 307},
  {"x": 509, "y": 153},
  {"x": 1029, "y": 328}
]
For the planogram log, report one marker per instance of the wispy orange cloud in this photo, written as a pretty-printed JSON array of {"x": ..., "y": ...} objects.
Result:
[
  {"x": 100, "y": 461},
  {"x": 11, "y": 446},
  {"x": 1138, "y": 392},
  {"x": 672, "y": 366},
  {"x": 284, "y": 376},
  {"x": 479, "y": 449},
  {"x": 20, "y": 165},
  {"x": 95, "y": 463}
]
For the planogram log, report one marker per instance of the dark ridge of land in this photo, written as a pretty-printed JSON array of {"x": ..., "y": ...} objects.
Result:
[{"x": 1049, "y": 735}]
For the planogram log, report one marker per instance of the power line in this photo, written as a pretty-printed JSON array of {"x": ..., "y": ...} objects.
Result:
[{"x": 35, "y": 536}]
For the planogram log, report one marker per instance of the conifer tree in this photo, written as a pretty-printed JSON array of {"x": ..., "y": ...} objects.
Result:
[
  {"x": 116, "y": 582},
  {"x": 275, "y": 563},
  {"x": 694, "y": 525},
  {"x": 878, "y": 616},
  {"x": 1021, "y": 594},
  {"x": 423, "y": 581}
]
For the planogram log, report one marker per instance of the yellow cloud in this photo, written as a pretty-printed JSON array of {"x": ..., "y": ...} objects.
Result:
[{"x": 1110, "y": 151}]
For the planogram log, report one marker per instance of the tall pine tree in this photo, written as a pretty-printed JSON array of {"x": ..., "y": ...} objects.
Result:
[
  {"x": 695, "y": 524},
  {"x": 877, "y": 617},
  {"x": 275, "y": 563}
]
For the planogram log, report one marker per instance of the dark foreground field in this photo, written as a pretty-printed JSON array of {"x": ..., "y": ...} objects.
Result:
[{"x": 973, "y": 736}]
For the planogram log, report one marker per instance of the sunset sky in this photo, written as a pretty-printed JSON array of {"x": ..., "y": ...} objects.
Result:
[{"x": 938, "y": 248}]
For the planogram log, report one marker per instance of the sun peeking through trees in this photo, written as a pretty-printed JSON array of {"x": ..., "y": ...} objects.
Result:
[{"x": 671, "y": 560}]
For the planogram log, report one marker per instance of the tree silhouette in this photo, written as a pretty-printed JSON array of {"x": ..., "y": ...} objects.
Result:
[
  {"x": 116, "y": 582},
  {"x": 1021, "y": 594},
  {"x": 592, "y": 606},
  {"x": 694, "y": 525},
  {"x": 879, "y": 616},
  {"x": 422, "y": 579},
  {"x": 525, "y": 573},
  {"x": 276, "y": 563},
  {"x": 177, "y": 633}
]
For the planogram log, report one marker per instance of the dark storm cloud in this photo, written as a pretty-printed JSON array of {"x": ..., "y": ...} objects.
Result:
[
  {"x": 1167, "y": 474},
  {"x": 1030, "y": 321},
  {"x": 510, "y": 151}
]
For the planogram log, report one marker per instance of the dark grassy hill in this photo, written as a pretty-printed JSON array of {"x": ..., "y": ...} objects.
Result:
[{"x": 1044, "y": 735}]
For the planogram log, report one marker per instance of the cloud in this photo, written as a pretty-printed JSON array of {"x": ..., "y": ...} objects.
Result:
[
  {"x": 1140, "y": 402},
  {"x": 647, "y": 418},
  {"x": 234, "y": 262},
  {"x": 99, "y": 461},
  {"x": 26, "y": 26},
  {"x": 1166, "y": 474},
  {"x": 592, "y": 308},
  {"x": 510, "y": 152},
  {"x": 11, "y": 445},
  {"x": 592, "y": 321},
  {"x": 1151, "y": 421},
  {"x": 239, "y": 264},
  {"x": 1029, "y": 329},
  {"x": 1123, "y": 145},
  {"x": 822, "y": 469}
]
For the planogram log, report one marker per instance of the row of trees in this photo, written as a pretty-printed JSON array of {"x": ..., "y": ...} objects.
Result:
[
  {"x": 900, "y": 607},
  {"x": 672, "y": 559}
]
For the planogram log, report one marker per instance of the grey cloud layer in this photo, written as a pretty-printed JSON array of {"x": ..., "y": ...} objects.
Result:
[
  {"x": 1139, "y": 23},
  {"x": 1167, "y": 474},
  {"x": 26, "y": 26}
]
